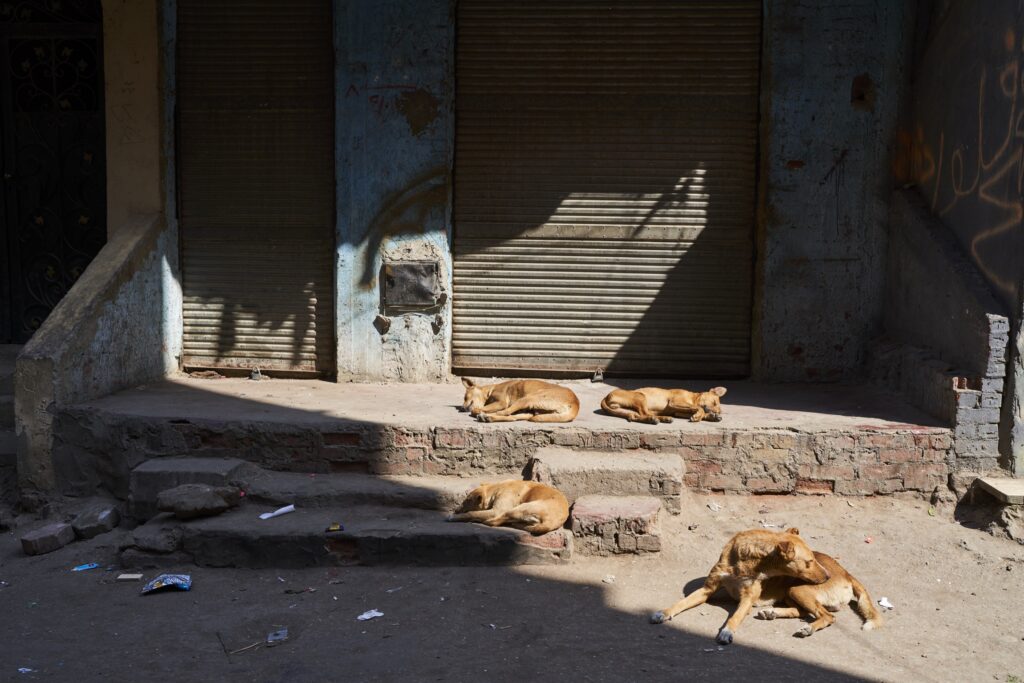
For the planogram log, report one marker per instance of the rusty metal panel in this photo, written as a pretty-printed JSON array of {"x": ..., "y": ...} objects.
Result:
[
  {"x": 605, "y": 174},
  {"x": 255, "y": 136}
]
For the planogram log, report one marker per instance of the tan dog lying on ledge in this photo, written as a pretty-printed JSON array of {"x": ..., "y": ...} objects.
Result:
[
  {"x": 793, "y": 599},
  {"x": 748, "y": 561},
  {"x": 520, "y": 399},
  {"x": 526, "y": 505},
  {"x": 653, "y": 405}
]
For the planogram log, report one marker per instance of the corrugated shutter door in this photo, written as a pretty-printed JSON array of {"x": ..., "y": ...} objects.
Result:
[
  {"x": 604, "y": 185},
  {"x": 255, "y": 107}
]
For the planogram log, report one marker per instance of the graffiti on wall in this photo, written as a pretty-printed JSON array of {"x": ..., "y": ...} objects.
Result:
[{"x": 972, "y": 172}]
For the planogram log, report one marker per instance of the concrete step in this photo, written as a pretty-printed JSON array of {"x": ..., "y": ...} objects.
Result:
[
  {"x": 159, "y": 474},
  {"x": 623, "y": 473},
  {"x": 6, "y": 412},
  {"x": 341, "y": 490},
  {"x": 1005, "y": 489},
  {"x": 614, "y": 525},
  {"x": 372, "y": 536}
]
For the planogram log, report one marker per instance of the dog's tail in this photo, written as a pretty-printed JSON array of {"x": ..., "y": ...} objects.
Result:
[{"x": 865, "y": 607}]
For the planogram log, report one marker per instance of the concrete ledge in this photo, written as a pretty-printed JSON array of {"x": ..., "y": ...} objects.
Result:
[{"x": 111, "y": 331}]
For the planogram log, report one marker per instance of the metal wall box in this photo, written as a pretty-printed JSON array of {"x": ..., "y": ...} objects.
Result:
[{"x": 411, "y": 285}]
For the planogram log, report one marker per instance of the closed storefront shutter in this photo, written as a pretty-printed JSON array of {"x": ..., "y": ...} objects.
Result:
[
  {"x": 255, "y": 142},
  {"x": 605, "y": 176}
]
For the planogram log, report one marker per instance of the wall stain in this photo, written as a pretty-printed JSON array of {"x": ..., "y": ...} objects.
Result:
[{"x": 419, "y": 108}]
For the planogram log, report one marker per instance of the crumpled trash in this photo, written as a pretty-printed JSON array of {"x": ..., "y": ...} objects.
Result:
[
  {"x": 609, "y": 578},
  {"x": 869, "y": 539},
  {"x": 83, "y": 567},
  {"x": 714, "y": 507},
  {"x": 369, "y": 614},
  {"x": 278, "y": 512},
  {"x": 335, "y": 526},
  {"x": 277, "y": 637},
  {"x": 182, "y": 582},
  {"x": 26, "y": 670},
  {"x": 884, "y": 603}
]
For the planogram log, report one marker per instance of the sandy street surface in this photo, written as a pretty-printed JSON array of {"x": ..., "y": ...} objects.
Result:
[{"x": 958, "y": 596}]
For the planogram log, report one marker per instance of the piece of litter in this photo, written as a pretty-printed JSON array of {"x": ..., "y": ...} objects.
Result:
[
  {"x": 278, "y": 512},
  {"x": 869, "y": 539},
  {"x": 84, "y": 567},
  {"x": 493, "y": 627},
  {"x": 884, "y": 603},
  {"x": 394, "y": 590},
  {"x": 182, "y": 582},
  {"x": 296, "y": 591},
  {"x": 26, "y": 670},
  {"x": 129, "y": 577},
  {"x": 243, "y": 649},
  {"x": 850, "y": 504},
  {"x": 714, "y": 507},
  {"x": 334, "y": 526},
  {"x": 610, "y": 578},
  {"x": 281, "y": 579},
  {"x": 692, "y": 527},
  {"x": 370, "y": 614},
  {"x": 769, "y": 525},
  {"x": 277, "y": 637},
  {"x": 931, "y": 512}
]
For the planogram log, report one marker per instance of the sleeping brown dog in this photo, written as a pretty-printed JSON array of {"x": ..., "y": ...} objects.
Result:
[
  {"x": 748, "y": 560},
  {"x": 653, "y": 405},
  {"x": 528, "y": 505},
  {"x": 520, "y": 399}
]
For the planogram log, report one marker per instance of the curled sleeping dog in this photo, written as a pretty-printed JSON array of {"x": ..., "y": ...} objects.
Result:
[
  {"x": 653, "y": 405},
  {"x": 526, "y": 505},
  {"x": 749, "y": 560},
  {"x": 521, "y": 399}
]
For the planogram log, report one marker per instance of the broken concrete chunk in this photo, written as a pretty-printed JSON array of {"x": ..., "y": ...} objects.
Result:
[
  {"x": 157, "y": 537},
  {"x": 190, "y": 501},
  {"x": 47, "y": 539},
  {"x": 96, "y": 520}
]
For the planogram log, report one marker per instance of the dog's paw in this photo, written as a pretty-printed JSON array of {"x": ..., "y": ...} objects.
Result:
[
  {"x": 483, "y": 417},
  {"x": 713, "y": 418},
  {"x": 657, "y": 617},
  {"x": 696, "y": 418},
  {"x": 767, "y": 614},
  {"x": 724, "y": 637},
  {"x": 804, "y": 632},
  {"x": 667, "y": 419}
]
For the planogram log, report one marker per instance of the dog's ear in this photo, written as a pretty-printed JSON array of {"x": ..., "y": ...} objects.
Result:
[
  {"x": 718, "y": 391},
  {"x": 787, "y": 550},
  {"x": 793, "y": 530},
  {"x": 467, "y": 382}
]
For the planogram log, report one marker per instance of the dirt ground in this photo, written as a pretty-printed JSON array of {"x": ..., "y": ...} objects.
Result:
[{"x": 958, "y": 596}]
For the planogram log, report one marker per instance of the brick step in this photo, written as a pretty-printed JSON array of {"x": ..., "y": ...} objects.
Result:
[
  {"x": 579, "y": 473},
  {"x": 371, "y": 536},
  {"x": 159, "y": 474},
  {"x": 613, "y": 525}
]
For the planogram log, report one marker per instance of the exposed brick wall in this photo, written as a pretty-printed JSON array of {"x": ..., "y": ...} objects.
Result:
[{"x": 99, "y": 450}]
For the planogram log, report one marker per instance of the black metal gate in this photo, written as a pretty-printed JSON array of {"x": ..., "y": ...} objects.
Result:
[{"x": 53, "y": 202}]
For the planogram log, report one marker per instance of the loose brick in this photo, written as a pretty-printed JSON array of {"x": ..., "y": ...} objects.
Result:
[
  {"x": 95, "y": 520},
  {"x": 47, "y": 539}
]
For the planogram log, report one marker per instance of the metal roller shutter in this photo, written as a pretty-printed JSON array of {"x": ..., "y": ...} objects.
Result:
[
  {"x": 605, "y": 173},
  {"x": 255, "y": 108}
]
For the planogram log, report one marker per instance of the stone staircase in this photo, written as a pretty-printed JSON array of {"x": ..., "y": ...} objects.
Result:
[
  {"x": 397, "y": 519},
  {"x": 8, "y": 449}
]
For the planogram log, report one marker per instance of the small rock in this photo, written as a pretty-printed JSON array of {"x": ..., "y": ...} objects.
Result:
[
  {"x": 190, "y": 501},
  {"x": 96, "y": 520},
  {"x": 47, "y": 539},
  {"x": 155, "y": 537},
  {"x": 610, "y": 578}
]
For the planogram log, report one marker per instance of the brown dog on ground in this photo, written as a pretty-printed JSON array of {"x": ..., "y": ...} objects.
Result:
[
  {"x": 793, "y": 599},
  {"x": 520, "y": 399},
  {"x": 653, "y": 405},
  {"x": 526, "y": 505},
  {"x": 748, "y": 560}
]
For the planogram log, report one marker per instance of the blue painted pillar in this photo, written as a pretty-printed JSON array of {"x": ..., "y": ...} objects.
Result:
[{"x": 394, "y": 140}]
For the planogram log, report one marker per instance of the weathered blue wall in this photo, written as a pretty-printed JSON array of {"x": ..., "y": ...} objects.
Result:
[
  {"x": 833, "y": 75},
  {"x": 964, "y": 147},
  {"x": 394, "y": 158}
]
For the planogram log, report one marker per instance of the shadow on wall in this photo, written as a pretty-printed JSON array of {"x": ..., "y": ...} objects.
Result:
[
  {"x": 608, "y": 643},
  {"x": 965, "y": 147}
]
